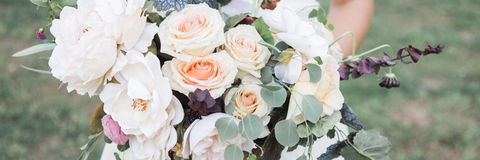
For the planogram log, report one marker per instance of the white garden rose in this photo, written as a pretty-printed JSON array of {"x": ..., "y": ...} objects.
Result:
[
  {"x": 249, "y": 100},
  {"x": 241, "y": 44},
  {"x": 326, "y": 90},
  {"x": 194, "y": 31},
  {"x": 142, "y": 101},
  {"x": 215, "y": 72},
  {"x": 89, "y": 40},
  {"x": 323, "y": 31},
  {"x": 287, "y": 26},
  {"x": 201, "y": 139}
]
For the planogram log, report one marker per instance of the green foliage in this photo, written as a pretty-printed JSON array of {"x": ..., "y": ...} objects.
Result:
[
  {"x": 233, "y": 152},
  {"x": 42, "y": 3},
  {"x": 286, "y": 133},
  {"x": 285, "y": 57},
  {"x": 323, "y": 19},
  {"x": 117, "y": 157},
  {"x": 106, "y": 139},
  {"x": 263, "y": 30},
  {"x": 252, "y": 157},
  {"x": 230, "y": 107},
  {"x": 281, "y": 47},
  {"x": 36, "y": 70},
  {"x": 304, "y": 131},
  {"x": 124, "y": 147},
  {"x": 331, "y": 27},
  {"x": 312, "y": 108},
  {"x": 96, "y": 122},
  {"x": 87, "y": 148},
  {"x": 230, "y": 22},
  {"x": 35, "y": 49},
  {"x": 314, "y": 71},
  {"x": 274, "y": 94},
  {"x": 302, "y": 157},
  {"x": 227, "y": 128},
  {"x": 148, "y": 6},
  {"x": 318, "y": 59},
  {"x": 223, "y": 2},
  {"x": 251, "y": 126},
  {"x": 331, "y": 133},
  {"x": 324, "y": 125},
  {"x": 368, "y": 145},
  {"x": 266, "y": 75},
  {"x": 312, "y": 14}
]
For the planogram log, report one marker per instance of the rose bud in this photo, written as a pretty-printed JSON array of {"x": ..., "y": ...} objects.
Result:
[{"x": 113, "y": 131}]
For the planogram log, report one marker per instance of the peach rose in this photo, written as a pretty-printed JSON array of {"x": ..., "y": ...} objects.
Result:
[
  {"x": 241, "y": 44},
  {"x": 250, "y": 101},
  {"x": 194, "y": 31},
  {"x": 215, "y": 72},
  {"x": 326, "y": 90}
]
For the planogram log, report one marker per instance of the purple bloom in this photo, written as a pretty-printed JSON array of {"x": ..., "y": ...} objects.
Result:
[
  {"x": 113, "y": 131},
  {"x": 389, "y": 81},
  {"x": 41, "y": 36},
  {"x": 201, "y": 101}
]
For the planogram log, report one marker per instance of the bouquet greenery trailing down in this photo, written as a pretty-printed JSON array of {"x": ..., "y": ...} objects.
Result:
[{"x": 212, "y": 79}]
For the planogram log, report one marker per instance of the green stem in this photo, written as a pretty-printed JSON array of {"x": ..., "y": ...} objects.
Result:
[
  {"x": 343, "y": 35},
  {"x": 368, "y": 52}
]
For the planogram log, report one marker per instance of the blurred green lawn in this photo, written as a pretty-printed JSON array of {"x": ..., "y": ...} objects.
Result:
[{"x": 435, "y": 114}]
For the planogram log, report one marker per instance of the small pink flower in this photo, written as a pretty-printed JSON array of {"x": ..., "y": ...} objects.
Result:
[
  {"x": 41, "y": 36},
  {"x": 113, "y": 131}
]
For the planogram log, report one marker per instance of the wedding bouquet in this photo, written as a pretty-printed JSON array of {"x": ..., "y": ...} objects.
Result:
[{"x": 211, "y": 79}]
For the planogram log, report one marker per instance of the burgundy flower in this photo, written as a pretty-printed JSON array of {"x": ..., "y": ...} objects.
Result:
[
  {"x": 369, "y": 65},
  {"x": 435, "y": 50},
  {"x": 248, "y": 20},
  {"x": 201, "y": 101},
  {"x": 388, "y": 60},
  {"x": 389, "y": 81},
  {"x": 414, "y": 52}
]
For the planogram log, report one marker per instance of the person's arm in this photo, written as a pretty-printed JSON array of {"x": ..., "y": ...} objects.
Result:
[{"x": 350, "y": 15}]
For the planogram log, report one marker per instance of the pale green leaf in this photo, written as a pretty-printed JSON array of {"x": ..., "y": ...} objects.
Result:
[
  {"x": 230, "y": 107},
  {"x": 304, "y": 131},
  {"x": 271, "y": 88},
  {"x": 233, "y": 152},
  {"x": 251, "y": 126},
  {"x": 268, "y": 45},
  {"x": 148, "y": 6},
  {"x": 315, "y": 72},
  {"x": 331, "y": 27},
  {"x": 35, "y": 49},
  {"x": 230, "y": 22},
  {"x": 286, "y": 133},
  {"x": 312, "y": 108},
  {"x": 370, "y": 143},
  {"x": 43, "y": 3},
  {"x": 318, "y": 59},
  {"x": 326, "y": 123},
  {"x": 302, "y": 157},
  {"x": 274, "y": 98},
  {"x": 227, "y": 128},
  {"x": 252, "y": 157},
  {"x": 266, "y": 75},
  {"x": 36, "y": 70},
  {"x": 63, "y": 3}
]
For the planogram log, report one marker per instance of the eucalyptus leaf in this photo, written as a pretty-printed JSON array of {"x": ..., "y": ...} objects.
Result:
[
  {"x": 327, "y": 123},
  {"x": 63, "y": 3},
  {"x": 233, "y": 152},
  {"x": 234, "y": 20},
  {"x": 35, "y": 49},
  {"x": 262, "y": 29},
  {"x": 266, "y": 75},
  {"x": 286, "y": 133},
  {"x": 148, "y": 6},
  {"x": 36, "y": 70},
  {"x": 230, "y": 107},
  {"x": 314, "y": 71},
  {"x": 251, "y": 126},
  {"x": 271, "y": 88},
  {"x": 227, "y": 128},
  {"x": 370, "y": 143},
  {"x": 43, "y": 3},
  {"x": 274, "y": 98},
  {"x": 302, "y": 157},
  {"x": 304, "y": 131},
  {"x": 312, "y": 108}
]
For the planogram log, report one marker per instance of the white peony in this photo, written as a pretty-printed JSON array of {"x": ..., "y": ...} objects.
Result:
[
  {"x": 323, "y": 31},
  {"x": 89, "y": 40},
  {"x": 250, "y": 101},
  {"x": 241, "y": 44},
  {"x": 202, "y": 142},
  {"x": 194, "y": 31},
  {"x": 327, "y": 90}
]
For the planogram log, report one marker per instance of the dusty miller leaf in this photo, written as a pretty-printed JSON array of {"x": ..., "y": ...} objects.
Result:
[{"x": 370, "y": 143}]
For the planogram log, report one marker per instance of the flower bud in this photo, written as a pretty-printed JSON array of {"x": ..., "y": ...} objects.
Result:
[
  {"x": 389, "y": 81},
  {"x": 113, "y": 131}
]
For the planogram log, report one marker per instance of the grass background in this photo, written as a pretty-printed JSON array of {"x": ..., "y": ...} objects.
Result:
[{"x": 435, "y": 114}]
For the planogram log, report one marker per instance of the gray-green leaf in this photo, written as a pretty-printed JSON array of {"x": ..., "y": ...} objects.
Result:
[
  {"x": 370, "y": 143},
  {"x": 280, "y": 46},
  {"x": 250, "y": 127},
  {"x": 35, "y": 49},
  {"x": 230, "y": 107},
  {"x": 286, "y": 133},
  {"x": 318, "y": 59},
  {"x": 233, "y": 20},
  {"x": 304, "y": 131},
  {"x": 227, "y": 128},
  {"x": 274, "y": 98},
  {"x": 314, "y": 71},
  {"x": 233, "y": 152},
  {"x": 43, "y": 3},
  {"x": 266, "y": 75},
  {"x": 36, "y": 70},
  {"x": 326, "y": 123},
  {"x": 302, "y": 157},
  {"x": 312, "y": 108}
]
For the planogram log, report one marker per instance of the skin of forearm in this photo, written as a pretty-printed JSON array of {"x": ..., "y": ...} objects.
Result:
[{"x": 350, "y": 15}]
